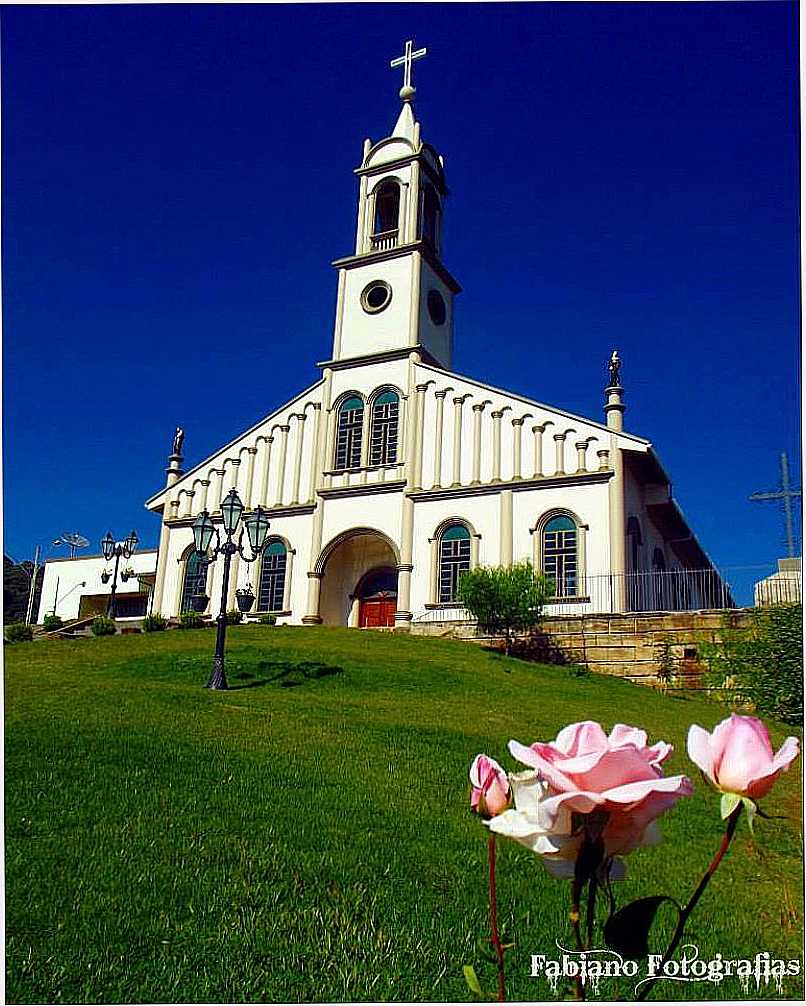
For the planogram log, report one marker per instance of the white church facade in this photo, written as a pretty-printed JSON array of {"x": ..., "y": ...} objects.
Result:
[{"x": 391, "y": 474}]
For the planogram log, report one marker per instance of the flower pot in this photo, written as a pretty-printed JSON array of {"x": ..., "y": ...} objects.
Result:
[
  {"x": 245, "y": 601},
  {"x": 105, "y": 577},
  {"x": 199, "y": 602}
]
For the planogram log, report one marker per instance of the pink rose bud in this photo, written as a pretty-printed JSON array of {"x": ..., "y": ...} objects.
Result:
[
  {"x": 490, "y": 787},
  {"x": 737, "y": 756}
]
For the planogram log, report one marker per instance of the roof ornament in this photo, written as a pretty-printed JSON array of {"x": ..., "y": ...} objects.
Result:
[
  {"x": 407, "y": 90},
  {"x": 614, "y": 366}
]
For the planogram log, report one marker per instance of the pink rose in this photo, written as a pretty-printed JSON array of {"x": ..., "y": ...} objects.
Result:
[
  {"x": 737, "y": 756},
  {"x": 490, "y": 787},
  {"x": 586, "y": 770}
]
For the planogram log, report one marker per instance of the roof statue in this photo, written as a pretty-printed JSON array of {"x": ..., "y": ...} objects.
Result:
[
  {"x": 179, "y": 437},
  {"x": 614, "y": 366},
  {"x": 408, "y": 57}
]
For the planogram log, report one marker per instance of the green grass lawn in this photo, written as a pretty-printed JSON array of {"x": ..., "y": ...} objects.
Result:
[{"x": 305, "y": 835}]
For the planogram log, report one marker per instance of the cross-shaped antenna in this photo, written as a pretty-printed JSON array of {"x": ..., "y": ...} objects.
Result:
[
  {"x": 786, "y": 495},
  {"x": 408, "y": 57}
]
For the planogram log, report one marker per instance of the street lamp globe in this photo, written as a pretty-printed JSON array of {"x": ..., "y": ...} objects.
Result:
[
  {"x": 231, "y": 510},
  {"x": 108, "y": 545},
  {"x": 131, "y": 544},
  {"x": 257, "y": 528},
  {"x": 203, "y": 530}
]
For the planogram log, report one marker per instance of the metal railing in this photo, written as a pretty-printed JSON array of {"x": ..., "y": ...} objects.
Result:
[
  {"x": 671, "y": 590},
  {"x": 384, "y": 240}
]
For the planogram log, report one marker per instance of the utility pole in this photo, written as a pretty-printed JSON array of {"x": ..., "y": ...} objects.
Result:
[
  {"x": 30, "y": 612},
  {"x": 786, "y": 494}
]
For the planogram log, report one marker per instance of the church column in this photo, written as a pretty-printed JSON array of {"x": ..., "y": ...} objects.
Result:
[
  {"x": 236, "y": 471},
  {"x": 218, "y": 489},
  {"x": 250, "y": 476},
  {"x": 497, "y": 416},
  {"x": 405, "y": 566},
  {"x": 418, "y": 443},
  {"x": 361, "y": 230},
  {"x": 312, "y": 617},
  {"x": 300, "y": 432},
  {"x": 440, "y": 397},
  {"x": 265, "y": 465},
  {"x": 172, "y": 475},
  {"x": 604, "y": 459},
  {"x": 315, "y": 450},
  {"x": 478, "y": 409},
  {"x": 538, "y": 431},
  {"x": 319, "y": 464},
  {"x": 517, "y": 447},
  {"x": 582, "y": 450},
  {"x": 505, "y": 521},
  {"x": 411, "y": 230},
  {"x": 559, "y": 452},
  {"x": 188, "y": 511},
  {"x": 205, "y": 487},
  {"x": 281, "y": 467},
  {"x": 233, "y": 583},
  {"x": 618, "y": 544},
  {"x": 173, "y": 509},
  {"x": 458, "y": 402},
  {"x": 289, "y": 569}
]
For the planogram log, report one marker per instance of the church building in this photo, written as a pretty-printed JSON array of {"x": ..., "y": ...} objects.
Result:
[{"x": 391, "y": 474}]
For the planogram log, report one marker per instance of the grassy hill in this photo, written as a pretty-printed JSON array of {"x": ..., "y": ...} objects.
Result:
[{"x": 305, "y": 835}]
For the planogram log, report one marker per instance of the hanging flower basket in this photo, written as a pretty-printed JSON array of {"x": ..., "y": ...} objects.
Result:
[
  {"x": 199, "y": 602},
  {"x": 244, "y": 600},
  {"x": 105, "y": 576}
]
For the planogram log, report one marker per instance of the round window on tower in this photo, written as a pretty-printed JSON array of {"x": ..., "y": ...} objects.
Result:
[
  {"x": 376, "y": 296},
  {"x": 436, "y": 307}
]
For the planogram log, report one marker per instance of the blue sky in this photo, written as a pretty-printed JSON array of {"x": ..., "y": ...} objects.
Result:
[{"x": 177, "y": 179}]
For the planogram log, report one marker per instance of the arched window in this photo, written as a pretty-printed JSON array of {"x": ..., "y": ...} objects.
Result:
[
  {"x": 561, "y": 555},
  {"x": 349, "y": 432},
  {"x": 387, "y": 207},
  {"x": 454, "y": 559},
  {"x": 429, "y": 218},
  {"x": 383, "y": 439},
  {"x": 271, "y": 591},
  {"x": 195, "y": 582}
]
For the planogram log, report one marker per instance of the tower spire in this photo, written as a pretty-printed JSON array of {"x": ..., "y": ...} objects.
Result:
[{"x": 407, "y": 91}]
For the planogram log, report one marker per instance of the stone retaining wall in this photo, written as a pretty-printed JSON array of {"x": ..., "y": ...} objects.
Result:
[{"x": 629, "y": 646}]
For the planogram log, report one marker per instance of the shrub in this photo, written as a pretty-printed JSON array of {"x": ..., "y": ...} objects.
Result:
[
  {"x": 191, "y": 620},
  {"x": 505, "y": 600},
  {"x": 268, "y": 620},
  {"x": 761, "y": 664},
  {"x": 103, "y": 626},
  {"x": 234, "y": 617},
  {"x": 19, "y": 632},
  {"x": 52, "y": 622},
  {"x": 154, "y": 623}
]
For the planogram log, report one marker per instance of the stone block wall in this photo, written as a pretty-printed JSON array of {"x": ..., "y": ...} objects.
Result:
[{"x": 629, "y": 646}]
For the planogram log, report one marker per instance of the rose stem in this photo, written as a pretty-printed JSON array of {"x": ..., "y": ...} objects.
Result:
[
  {"x": 576, "y": 891},
  {"x": 733, "y": 820},
  {"x": 496, "y": 939},
  {"x": 591, "y": 911}
]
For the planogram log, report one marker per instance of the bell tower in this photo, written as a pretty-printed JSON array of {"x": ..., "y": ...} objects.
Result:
[{"x": 394, "y": 292}]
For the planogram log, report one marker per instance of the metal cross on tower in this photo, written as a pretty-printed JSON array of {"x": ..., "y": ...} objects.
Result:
[
  {"x": 786, "y": 495},
  {"x": 408, "y": 57}
]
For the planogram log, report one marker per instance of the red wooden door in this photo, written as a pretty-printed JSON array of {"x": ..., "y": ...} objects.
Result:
[{"x": 373, "y": 614}]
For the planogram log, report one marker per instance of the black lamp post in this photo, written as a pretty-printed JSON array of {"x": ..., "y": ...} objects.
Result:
[
  {"x": 256, "y": 524},
  {"x": 114, "y": 550}
]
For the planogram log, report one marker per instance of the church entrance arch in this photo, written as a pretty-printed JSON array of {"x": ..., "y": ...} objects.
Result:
[{"x": 359, "y": 580}]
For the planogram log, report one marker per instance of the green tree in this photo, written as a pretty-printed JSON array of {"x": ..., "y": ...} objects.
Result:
[
  {"x": 505, "y": 600},
  {"x": 761, "y": 664}
]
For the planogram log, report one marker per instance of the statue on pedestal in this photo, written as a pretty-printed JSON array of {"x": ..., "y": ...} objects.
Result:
[
  {"x": 614, "y": 366},
  {"x": 179, "y": 438}
]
